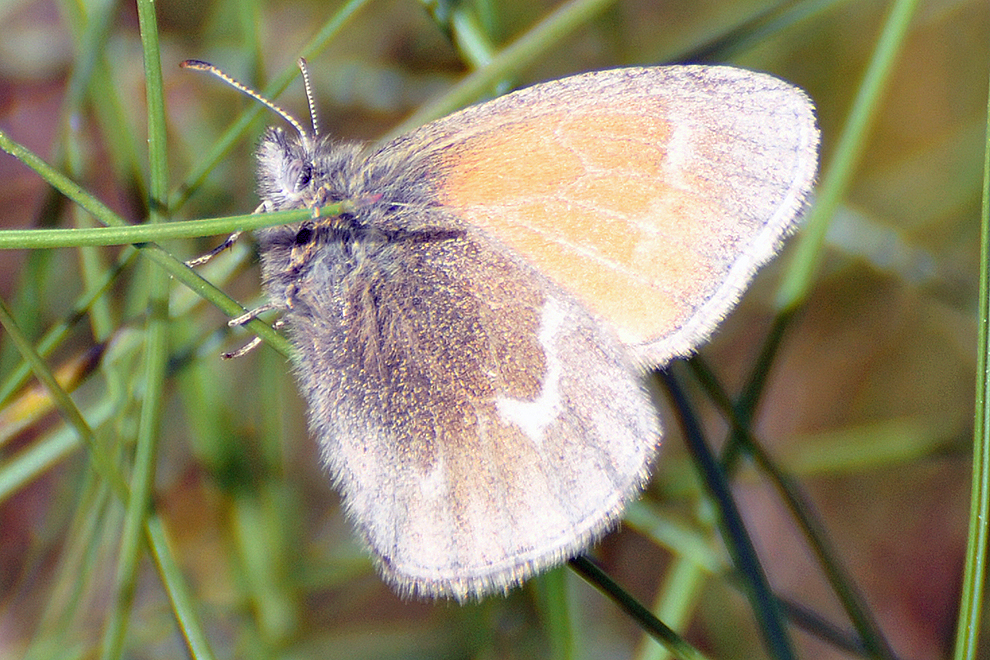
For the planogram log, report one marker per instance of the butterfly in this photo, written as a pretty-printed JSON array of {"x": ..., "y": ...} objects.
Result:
[{"x": 472, "y": 335}]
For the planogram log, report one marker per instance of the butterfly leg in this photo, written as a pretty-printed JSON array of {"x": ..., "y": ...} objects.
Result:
[
  {"x": 199, "y": 261},
  {"x": 254, "y": 343}
]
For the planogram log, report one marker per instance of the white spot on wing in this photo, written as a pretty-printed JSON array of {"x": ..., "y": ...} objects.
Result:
[
  {"x": 533, "y": 417},
  {"x": 679, "y": 152},
  {"x": 434, "y": 485}
]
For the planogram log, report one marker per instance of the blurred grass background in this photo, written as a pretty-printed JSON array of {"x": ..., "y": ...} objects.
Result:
[{"x": 868, "y": 405}]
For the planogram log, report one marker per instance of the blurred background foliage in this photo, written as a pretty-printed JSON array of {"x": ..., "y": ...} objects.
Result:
[{"x": 868, "y": 404}]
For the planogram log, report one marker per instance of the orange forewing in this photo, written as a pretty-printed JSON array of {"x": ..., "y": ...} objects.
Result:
[
  {"x": 553, "y": 194},
  {"x": 652, "y": 206}
]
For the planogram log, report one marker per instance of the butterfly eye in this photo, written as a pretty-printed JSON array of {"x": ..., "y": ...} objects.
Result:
[
  {"x": 304, "y": 235},
  {"x": 304, "y": 177},
  {"x": 298, "y": 175}
]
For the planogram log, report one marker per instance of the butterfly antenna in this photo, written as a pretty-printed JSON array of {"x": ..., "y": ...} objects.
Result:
[
  {"x": 199, "y": 65},
  {"x": 309, "y": 96}
]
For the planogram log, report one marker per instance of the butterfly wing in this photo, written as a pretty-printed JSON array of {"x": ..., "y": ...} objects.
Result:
[
  {"x": 652, "y": 194},
  {"x": 480, "y": 424}
]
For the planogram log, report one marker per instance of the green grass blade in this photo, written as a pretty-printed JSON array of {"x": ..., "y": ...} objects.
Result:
[
  {"x": 839, "y": 173},
  {"x": 971, "y": 603}
]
